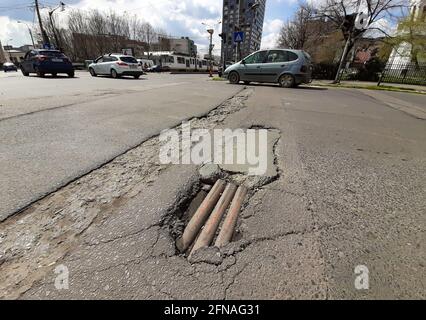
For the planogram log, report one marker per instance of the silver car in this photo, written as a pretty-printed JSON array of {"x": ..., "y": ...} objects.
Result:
[
  {"x": 116, "y": 65},
  {"x": 287, "y": 67}
]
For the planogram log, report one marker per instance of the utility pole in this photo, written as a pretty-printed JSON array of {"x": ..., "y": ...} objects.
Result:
[{"x": 43, "y": 33}]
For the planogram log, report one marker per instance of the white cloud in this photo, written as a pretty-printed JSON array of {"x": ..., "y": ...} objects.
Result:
[
  {"x": 178, "y": 18},
  {"x": 271, "y": 33},
  {"x": 382, "y": 24},
  {"x": 14, "y": 33}
]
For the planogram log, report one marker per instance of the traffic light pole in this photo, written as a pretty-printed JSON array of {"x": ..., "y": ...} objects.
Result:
[{"x": 211, "y": 31}]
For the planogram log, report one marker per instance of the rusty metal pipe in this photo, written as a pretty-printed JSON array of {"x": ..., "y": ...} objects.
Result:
[
  {"x": 200, "y": 216},
  {"x": 228, "y": 227},
  {"x": 209, "y": 231}
]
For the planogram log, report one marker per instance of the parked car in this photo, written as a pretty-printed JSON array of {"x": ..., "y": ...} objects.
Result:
[
  {"x": 9, "y": 66},
  {"x": 145, "y": 64},
  {"x": 288, "y": 68},
  {"x": 42, "y": 62},
  {"x": 116, "y": 65},
  {"x": 158, "y": 68}
]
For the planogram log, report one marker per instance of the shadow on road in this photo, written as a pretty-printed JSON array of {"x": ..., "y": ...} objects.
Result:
[
  {"x": 274, "y": 85},
  {"x": 52, "y": 77}
]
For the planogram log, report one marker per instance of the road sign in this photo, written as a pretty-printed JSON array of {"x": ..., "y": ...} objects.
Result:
[{"x": 239, "y": 36}]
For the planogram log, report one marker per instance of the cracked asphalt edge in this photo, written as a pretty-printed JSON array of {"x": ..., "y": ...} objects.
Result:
[
  {"x": 97, "y": 166},
  {"x": 46, "y": 230}
]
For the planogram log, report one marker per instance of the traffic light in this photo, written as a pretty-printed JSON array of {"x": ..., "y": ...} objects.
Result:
[
  {"x": 223, "y": 36},
  {"x": 348, "y": 22}
]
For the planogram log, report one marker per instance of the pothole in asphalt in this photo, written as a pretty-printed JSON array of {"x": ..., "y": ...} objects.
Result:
[{"x": 209, "y": 220}]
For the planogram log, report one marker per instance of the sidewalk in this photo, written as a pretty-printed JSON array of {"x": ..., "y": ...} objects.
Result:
[{"x": 369, "y": 84}]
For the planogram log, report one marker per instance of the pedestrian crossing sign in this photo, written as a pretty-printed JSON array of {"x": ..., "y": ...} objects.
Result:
[{"x": 239, "y": 36}]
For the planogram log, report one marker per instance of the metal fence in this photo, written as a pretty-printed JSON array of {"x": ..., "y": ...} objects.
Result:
[{"x": 405, "y": 73}]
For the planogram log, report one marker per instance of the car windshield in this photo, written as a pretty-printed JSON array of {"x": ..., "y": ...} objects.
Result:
[
  {"x": 128, "y": 59},
  {"x": 55, "y": 54},
  {"x": 307, "y": 56}
]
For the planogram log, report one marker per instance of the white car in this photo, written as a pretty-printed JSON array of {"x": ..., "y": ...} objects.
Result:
[
  {"x": 145, "y": 63},
  {"x": 116, "y": 65}
]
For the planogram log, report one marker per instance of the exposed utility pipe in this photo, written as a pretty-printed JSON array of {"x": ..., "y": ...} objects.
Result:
[
  {"x": 207, "y": 234},
  {"x": 230, "y": 222},
  {"x": 200, "y": 216}
]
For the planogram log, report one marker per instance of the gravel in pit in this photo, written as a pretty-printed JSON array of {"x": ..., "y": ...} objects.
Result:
[{"x": 35, "y": 239}]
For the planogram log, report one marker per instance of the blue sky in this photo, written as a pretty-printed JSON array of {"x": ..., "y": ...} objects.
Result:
[{"x": 178, "y": 18}]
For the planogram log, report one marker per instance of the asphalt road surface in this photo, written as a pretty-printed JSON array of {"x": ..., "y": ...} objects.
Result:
[
  {"x": 350, "y": 192},
  {"x": 54, "y": 130}
]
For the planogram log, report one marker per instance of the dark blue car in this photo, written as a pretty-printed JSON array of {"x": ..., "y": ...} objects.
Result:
[{"x": 44, "y": 62}]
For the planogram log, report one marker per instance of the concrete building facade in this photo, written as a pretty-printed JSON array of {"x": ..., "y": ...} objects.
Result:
[
  {"x": 184, "y": 46},
  {"x": 246, "y": 16},
  {"x": 15, "y": 55}
]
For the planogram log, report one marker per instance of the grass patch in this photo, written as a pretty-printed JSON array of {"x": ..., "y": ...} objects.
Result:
[{"x": 218, "y": 79}]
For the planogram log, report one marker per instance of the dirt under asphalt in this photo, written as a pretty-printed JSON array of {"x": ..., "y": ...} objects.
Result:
[{"x": 349, "y": 191}]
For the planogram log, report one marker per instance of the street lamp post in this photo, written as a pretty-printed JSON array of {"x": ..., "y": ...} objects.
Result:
[
  {"x": 211, "y": 32},
  {"x": 8, "y": 49},
  {"x": 42, "y": 31},
  {"x": 30, "y": 32},
  {"x": 62, "y": 7}
]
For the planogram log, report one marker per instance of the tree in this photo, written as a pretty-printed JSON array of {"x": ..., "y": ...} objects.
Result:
[
  {"x": 412, "y": 32},
  {"x": 89, "y": 34},
  {"x": 295, "y": 32},
  {"x": 344, "y": 15}
]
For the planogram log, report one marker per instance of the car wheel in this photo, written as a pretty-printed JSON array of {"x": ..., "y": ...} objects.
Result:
[
  {"x": 247, "y": 82},
  {"x": 40, "y": 74},
  {"x": 92, "y": 72},
  {"x": 234, "y": 77},
  {"x": 71, "y": 74},
  {"x": 26, "y": 74},
  {"x": 286, "y": 81},
  {"x": 136, "y": 77},
  {"x": 114, "y": 74}
]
